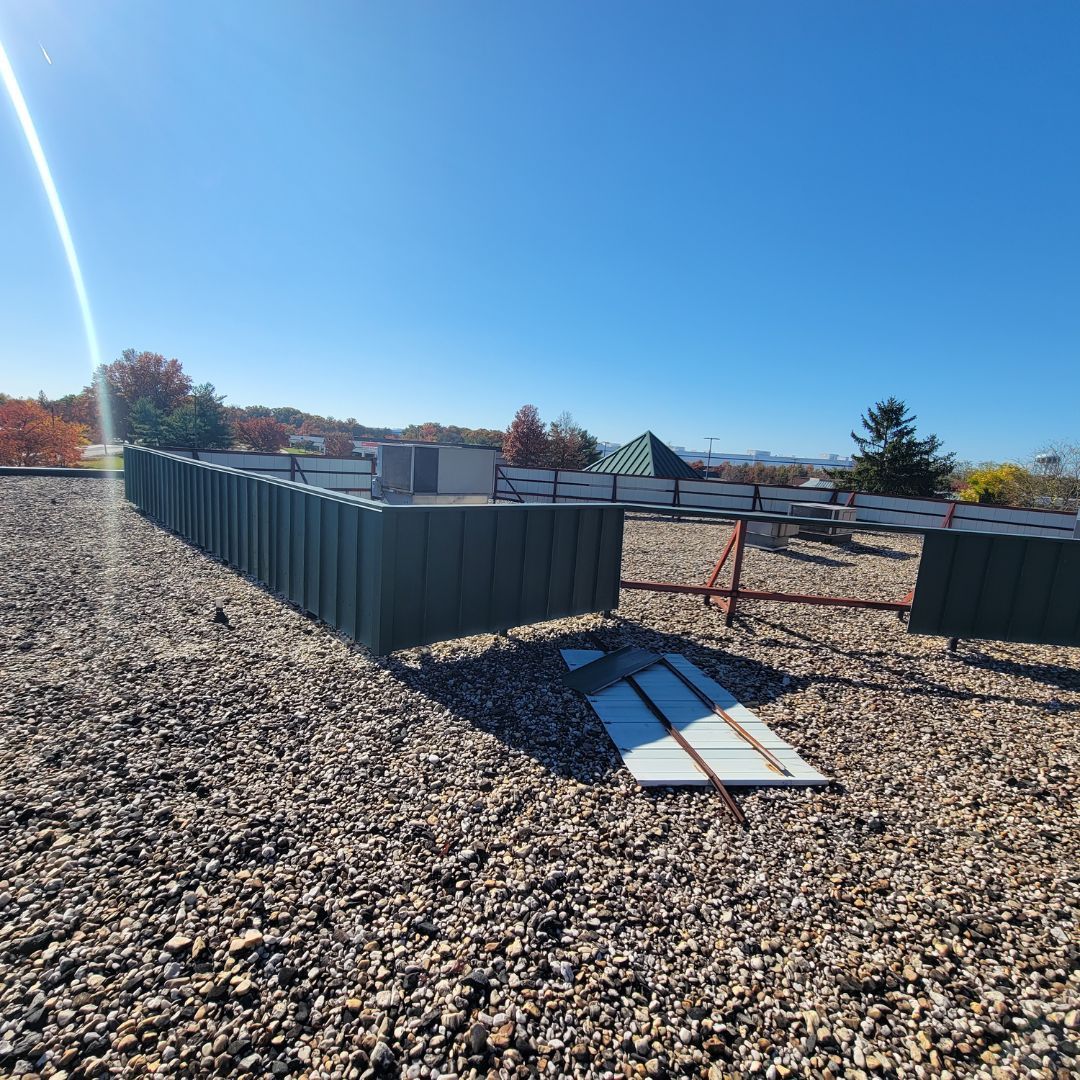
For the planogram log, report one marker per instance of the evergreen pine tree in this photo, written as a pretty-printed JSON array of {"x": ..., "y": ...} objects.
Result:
[
  {"x": 146, "y": 422},
  {"x": 891, "y": 459},
  {"x": 200, "y": 421}
]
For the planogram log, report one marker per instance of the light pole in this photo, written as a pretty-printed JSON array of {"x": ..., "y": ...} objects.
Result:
[{"x": 710, "y": 439}]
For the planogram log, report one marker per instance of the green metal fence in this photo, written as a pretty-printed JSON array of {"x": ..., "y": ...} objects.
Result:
[
  {"x": 391, "y": 577},
  {"x": 998, "y": 587}
]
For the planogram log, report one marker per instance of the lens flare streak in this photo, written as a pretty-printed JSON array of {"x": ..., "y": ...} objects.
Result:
[{"x": 11, "y": 84}]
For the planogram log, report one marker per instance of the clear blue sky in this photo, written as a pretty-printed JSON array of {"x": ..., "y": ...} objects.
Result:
[{"x": 747, "y": 220}]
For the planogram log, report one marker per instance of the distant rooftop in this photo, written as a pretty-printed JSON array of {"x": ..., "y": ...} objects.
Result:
[{"x": 645, "y": 456}]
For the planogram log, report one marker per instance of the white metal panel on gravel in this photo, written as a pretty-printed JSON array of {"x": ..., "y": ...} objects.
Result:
[{"x": 656, "y": 760}]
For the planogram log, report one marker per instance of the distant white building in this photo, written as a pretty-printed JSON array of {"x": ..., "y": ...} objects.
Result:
[{"x": 767, "y": 457}]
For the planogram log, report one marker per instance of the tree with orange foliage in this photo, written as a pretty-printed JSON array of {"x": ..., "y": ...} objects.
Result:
[
  {"x": 338, "y": 444},
  {"x": 526, "y": 442},
  {"x": 136, "y": 376},
  {"x": 31, "y": 435},
  {"x": 262, "y": 433}
]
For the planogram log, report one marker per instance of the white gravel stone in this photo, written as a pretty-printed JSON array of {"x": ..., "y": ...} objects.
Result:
[{"x": 224, "y": 849}]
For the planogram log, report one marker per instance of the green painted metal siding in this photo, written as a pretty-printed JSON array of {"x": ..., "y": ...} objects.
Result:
[
  {"x": 450, "y": 571},
  {"x": 998, "y": 587},
  {"x": 392, "y": 577}
]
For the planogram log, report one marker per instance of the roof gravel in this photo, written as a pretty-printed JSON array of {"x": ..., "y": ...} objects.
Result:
[{"x": 256, "y": 850}]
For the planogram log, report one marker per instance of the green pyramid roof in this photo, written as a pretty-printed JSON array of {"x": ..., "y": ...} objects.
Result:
[{"x": 645, "y": 456}]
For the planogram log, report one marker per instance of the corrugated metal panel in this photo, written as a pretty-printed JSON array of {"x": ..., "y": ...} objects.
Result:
[
  {"x": 646, "y": 489},
  {"x": 537, "y": 485},
  {"x": 1002, "y": 588},
  {"x": 578, "y": 486},
  {"x": 655, "y": 758},
  {"x": 454, "y": 571},
  {"x": 645, "y": 456},
  {"x": 390, "y": 577},
  {"x": 338, "y": 474}
]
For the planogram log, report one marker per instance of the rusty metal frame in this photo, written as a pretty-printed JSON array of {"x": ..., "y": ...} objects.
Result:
[{"x": 726, "y": 598}]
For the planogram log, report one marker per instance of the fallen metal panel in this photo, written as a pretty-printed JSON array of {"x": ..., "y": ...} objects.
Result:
[
  {"x": 609, "y": 668},
  {"x": 655, "y": 759},
  {"x": 998, "y": 587}
]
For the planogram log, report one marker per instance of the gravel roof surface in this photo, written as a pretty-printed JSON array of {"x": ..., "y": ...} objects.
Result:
[{"x": 255, "y": 850}]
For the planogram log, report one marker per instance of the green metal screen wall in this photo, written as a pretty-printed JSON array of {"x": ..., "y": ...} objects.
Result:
[
  {"x": 1003, "y": 588},
  {"x": 392, "y": 577}
]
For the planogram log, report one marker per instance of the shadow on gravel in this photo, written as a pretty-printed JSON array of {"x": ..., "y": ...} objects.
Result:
[
  {"x": 857, "y": 548},
  {"x": 1062, "y": 678},
  {"x": 797, "y": 555},
  {"x": 514, "y": 691},
  {"x": 906, "y": 671}
]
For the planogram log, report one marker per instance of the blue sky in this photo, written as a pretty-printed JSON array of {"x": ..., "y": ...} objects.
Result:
[{"x": 745, "y": 220}]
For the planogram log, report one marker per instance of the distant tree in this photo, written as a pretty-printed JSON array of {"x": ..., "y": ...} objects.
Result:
[
  {"x": 262, "y": 433},
  {"x": 452, "y": 435},
  {"x": 31, "y": 435},
  {"x": 199, "y": 421},
  {"x": 1001, "y": 485},
  {"x": 485, "y": 437},
  {"x": 590, "y": 451},
  {"x": 526, "y": 442},
  {"x": 149, "y": 375},
  {"x": 363, "y": 431},
  {"x": 314, "y": 424},
  {"x": 1053, "y": 476},
  {"x": 146, "y": 422},
  {"x": 891, "y": 460},
  {"x": 252, "y": 412},
  {"x": 137, "y": 375},
  {"x": 338, "y": 444},
  {"x": 570, "y": 446},
  {"x": 288, "y": 415},
  {"x": 81, "y": 408},
  {"x": 429, "y": 432}
]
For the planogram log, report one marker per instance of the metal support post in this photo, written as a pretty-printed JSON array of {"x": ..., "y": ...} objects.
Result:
[{"x": 736, "y": 572}]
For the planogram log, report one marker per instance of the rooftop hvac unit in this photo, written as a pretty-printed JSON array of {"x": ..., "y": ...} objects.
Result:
[
  {"x": 772, "y": 535},
  {"x": 829, "y": 534},
  {"x": 424, "y": 474}
]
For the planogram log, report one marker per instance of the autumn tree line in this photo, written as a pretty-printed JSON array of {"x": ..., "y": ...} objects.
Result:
[{"x": 151, "y": 400}]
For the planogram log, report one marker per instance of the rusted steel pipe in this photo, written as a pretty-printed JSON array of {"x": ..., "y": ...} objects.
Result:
[
  {"x": 729, "y": 800},
  {"x": 761, "y": 594},
  {"x": 770, "y": 759}
]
